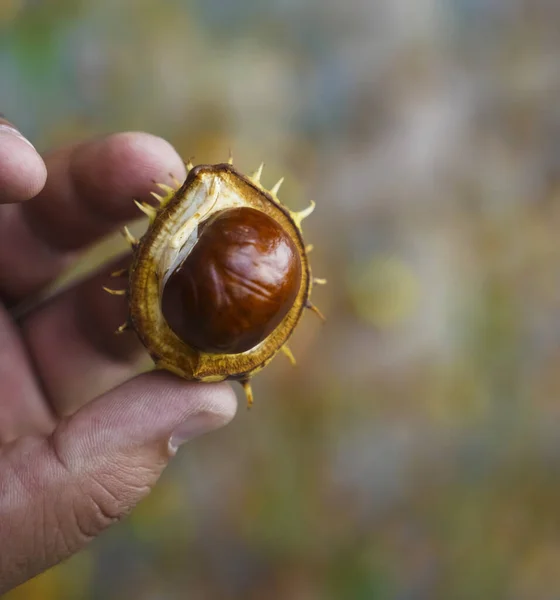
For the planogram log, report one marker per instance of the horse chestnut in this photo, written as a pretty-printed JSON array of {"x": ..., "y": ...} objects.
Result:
[
  {"x": 237, "y": 284},
  {"x": 220, "y": 278}
]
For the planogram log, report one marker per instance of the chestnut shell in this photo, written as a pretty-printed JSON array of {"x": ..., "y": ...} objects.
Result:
[{"x": 175, "y": 232}]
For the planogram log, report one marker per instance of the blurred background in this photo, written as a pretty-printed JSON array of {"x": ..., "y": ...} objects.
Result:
[{"x": 414, "y": 453}]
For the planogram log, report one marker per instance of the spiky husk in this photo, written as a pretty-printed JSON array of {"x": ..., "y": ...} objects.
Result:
[{"x": 172, "y": 233}]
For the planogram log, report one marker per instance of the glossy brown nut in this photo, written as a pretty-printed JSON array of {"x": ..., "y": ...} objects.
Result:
[{"x": 237, "y": 284}]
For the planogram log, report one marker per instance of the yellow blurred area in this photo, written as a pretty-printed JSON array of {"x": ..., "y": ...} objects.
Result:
[
  {"x": 9, "y": 10},
  {"x": 384, "y": 291},
  {"x": 68, "y": 580}
]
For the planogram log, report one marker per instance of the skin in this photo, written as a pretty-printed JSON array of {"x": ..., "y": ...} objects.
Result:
[{"x": 83, "y": 437}]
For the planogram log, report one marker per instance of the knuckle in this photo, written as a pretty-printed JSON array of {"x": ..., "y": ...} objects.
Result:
[
  {"x": 103, "y": 501},
  {"x": 100, "y": 492},
  {"x": 97, "y": 510}
]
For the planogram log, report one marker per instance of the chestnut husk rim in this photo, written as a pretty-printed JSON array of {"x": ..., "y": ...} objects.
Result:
[{"x": 146, "y": 282}]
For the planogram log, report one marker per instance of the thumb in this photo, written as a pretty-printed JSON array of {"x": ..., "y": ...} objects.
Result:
[
  {"x": 60, "y": 492},
  {"x": 22, "y": 171}
]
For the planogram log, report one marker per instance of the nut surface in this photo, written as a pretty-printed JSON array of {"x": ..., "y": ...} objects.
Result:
[{"x": 237, "y": 284}]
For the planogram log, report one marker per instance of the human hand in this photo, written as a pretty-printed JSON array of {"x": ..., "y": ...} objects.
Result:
[{"x": 82, "y": 439}]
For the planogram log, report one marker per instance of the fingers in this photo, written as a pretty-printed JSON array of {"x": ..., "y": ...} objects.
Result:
[
  {"x": 23, "y": 410},
  {"x": 91, "y": 187},
  {"x": 58, "y": 493},
  {"x": 22, "y": 170},
  {"x": 74, "y": 347},
  {"x": 89, "y": 193}
]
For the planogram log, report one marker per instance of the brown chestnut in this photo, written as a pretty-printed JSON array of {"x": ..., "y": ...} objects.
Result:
[{"x": 237, "y": 284}]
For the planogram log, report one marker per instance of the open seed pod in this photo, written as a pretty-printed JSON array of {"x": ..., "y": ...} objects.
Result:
[{"x": 221, "y": 277}]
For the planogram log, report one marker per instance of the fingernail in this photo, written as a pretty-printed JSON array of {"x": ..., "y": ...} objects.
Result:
[
  {"x": 13, "y": 131},
  {"x": 195, "y": 426}
]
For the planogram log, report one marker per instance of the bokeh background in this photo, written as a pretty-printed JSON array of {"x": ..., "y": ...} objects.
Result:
[{"x": 414, "y": 453}]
